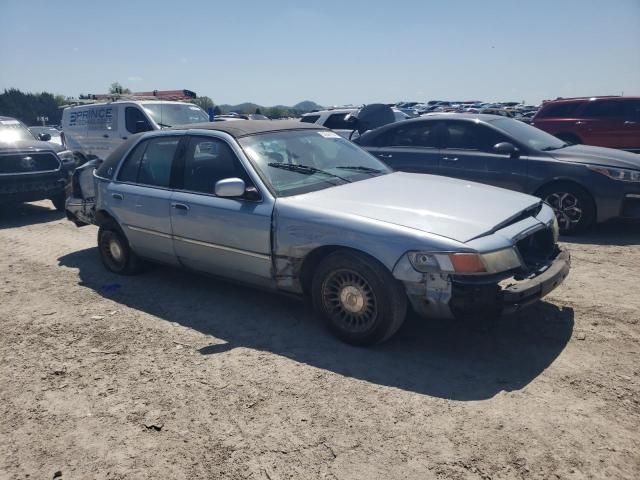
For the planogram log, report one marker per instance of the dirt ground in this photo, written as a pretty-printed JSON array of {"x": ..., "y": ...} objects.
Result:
[{"x": 177, "y": 376}]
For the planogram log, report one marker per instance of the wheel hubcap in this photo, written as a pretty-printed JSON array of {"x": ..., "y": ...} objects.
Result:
[
  {"x": 115, "y": 250},
  {"x": 567, "y": 209},
  {"x": 349, "y": 300}
]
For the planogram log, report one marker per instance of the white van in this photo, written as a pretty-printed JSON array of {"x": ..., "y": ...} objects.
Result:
[{"x": 95, "y": 130}]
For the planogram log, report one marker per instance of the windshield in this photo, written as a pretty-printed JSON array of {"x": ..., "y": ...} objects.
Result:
[
  {"x": 169, "y": 114},
  {"x": 530, "y": 136},
  {"x": 14, "y": 131},
  {"x": 300, "y": 161}
]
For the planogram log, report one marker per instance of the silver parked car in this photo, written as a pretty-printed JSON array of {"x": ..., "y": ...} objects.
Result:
[{"x": 296, "y": 208}]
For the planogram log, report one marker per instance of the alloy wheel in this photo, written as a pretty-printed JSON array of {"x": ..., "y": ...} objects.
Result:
[{"x": 567, "y": 208}]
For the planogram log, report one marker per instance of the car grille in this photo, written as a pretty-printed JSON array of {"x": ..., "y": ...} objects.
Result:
[
  {"x": 537, "y": 249},
  {"x": 28, "y": 162}
]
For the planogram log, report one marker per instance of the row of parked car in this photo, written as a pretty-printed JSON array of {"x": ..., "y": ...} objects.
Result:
[{"x": 356, "y": 227}]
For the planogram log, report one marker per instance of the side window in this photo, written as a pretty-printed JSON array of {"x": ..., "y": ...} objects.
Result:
[
  {"x": 560, "y": 110},
  {"x": 633, "y": 110},
  {"x": 132, "y": 115},
  {"x": 413, "y": 135},
  {"x": 310, "y": 118},
  {"x": 604, "y": 109},
  {"x": 337, "y": 121},
  {"x": 129, "y": 170},
  {"x": 469, "y": 136},
  {"x": 208, "y": 160},
  {"x": 156, "y": 162}
]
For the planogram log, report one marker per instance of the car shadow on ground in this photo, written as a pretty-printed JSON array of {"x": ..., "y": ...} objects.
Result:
[
  {"x": 445, "y": 359},
  {"x": 22, "y": 214},
  {"x": 615, "y": 233}
]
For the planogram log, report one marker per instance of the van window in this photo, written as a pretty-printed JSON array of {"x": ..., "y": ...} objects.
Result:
[
  {"x": 560, "y": 110},
  {"x": 133, "y": 115}
]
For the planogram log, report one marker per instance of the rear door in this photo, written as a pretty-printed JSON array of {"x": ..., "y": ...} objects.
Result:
[
  {"x": 229, "y": 237},
  {"x": 140, "y": 197},
  {"x": 605, "y": 124},
  {"x": 409, "y": 147},
  {"x": 467, "y": 153}
]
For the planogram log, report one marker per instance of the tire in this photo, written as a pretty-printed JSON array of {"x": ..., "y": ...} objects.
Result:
[
  {"x": 357, "y": 298},
  {"x": 59, "y": 201},
  {"x": 569, "y": 138},
  {"x": 115, "y": 252},
  {"x": 574, "y": 206}
]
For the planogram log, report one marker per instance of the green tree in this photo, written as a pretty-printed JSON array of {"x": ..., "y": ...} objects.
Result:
[
  {"x": 27, "y": 107},
  {"x": 216, "y": 110},
  {"x": 117, "y": 88},
  {"x": 258, "y": 112},
  {"x": 203, "y": 102}
]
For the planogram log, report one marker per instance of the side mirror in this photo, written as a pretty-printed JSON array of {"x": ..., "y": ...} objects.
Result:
[
  {"x": 230, "y": 187},
  {"x": 506, "y": 148},
  {"x": 141, "y": 126},
  {"x": 45, "y": 137}
]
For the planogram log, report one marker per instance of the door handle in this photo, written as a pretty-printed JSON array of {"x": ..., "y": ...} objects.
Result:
[
  {"x": 450, "y": 159},
  {"x": 628, "y": 122},
  {"x": 117, "y": 196},
  {"x": 385, "y": 155},
  {"x": 124, "y": 138},
  {"x": 105, "y": 135},
  {"x": 180, "y": 206}
]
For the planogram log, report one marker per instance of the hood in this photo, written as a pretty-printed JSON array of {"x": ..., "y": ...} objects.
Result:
[
  {"x": 443, "y": 206},
  {"x": 29, "y": 146},
  {"x": 608, "y": 157}
]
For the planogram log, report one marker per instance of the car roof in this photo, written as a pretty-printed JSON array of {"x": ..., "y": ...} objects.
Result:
[
  {"x": 250, "y": 127},
  {"x": 7, "y": 118},
  {"x": 584, "y": 99},
  {"x": 483, "y": 117}
]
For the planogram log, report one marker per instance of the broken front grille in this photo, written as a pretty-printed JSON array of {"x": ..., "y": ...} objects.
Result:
[
  {"x": 29, "y": 162},
  {"x": 537, "y": 249}
]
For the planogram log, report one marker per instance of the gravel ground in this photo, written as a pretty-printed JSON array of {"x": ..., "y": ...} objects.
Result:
[{"x": 178, "y": 376}]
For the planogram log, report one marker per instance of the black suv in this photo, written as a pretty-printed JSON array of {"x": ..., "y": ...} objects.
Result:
[{"x": 31, "y": 169}]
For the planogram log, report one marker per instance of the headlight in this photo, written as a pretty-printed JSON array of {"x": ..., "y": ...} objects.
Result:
[
  {"x": 622, "y": 174},
  {"x": 493, "y": 262},
  {"x": 67, "y": 158}
]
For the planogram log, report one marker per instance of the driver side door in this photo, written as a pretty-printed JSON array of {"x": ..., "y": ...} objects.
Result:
[
  {"x": 229, "y": 237},
  {"x": 467, "y": 153}
]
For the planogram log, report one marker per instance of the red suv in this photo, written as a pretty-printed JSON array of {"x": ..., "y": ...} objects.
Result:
[{"x": 612, "y": 122}]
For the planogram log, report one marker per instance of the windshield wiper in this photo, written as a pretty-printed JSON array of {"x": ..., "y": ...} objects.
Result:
[
  {"x": 305, "y": 169},
  {"x": 164, "y": 125},
  {"x": 360, "y": 168},
  {"x": 548, "y": 149}
]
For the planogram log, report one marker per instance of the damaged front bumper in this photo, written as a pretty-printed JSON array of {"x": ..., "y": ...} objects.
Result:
[{"x": 442, "y": 295}]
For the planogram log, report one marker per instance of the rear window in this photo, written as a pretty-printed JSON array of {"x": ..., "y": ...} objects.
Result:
[
  {"x": 310, "y": 118},
  {"x": 559, "y": 110}
]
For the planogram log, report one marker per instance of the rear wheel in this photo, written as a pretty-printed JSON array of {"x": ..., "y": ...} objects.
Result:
[
  {"x": 358, "y": 299},
  {"x": 115, "y": 252},
  {"x": 59, "y": 201},
  {"x": 573, "y": 206}
]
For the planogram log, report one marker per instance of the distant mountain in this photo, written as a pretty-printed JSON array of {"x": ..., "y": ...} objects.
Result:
[{"x": 250, "y": 107}]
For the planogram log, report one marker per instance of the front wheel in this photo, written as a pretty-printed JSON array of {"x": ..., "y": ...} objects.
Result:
[
  {"x": 573, "y": 206},
  {"x": 115, "y": 252},
  {"x": 358, "y": 299}
]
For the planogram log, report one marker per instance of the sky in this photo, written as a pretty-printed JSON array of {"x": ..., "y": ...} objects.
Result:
[{"x": 333, "y": 52}]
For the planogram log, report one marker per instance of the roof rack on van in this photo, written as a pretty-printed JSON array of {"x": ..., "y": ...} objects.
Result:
[{"x": 173, "y": 95}]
